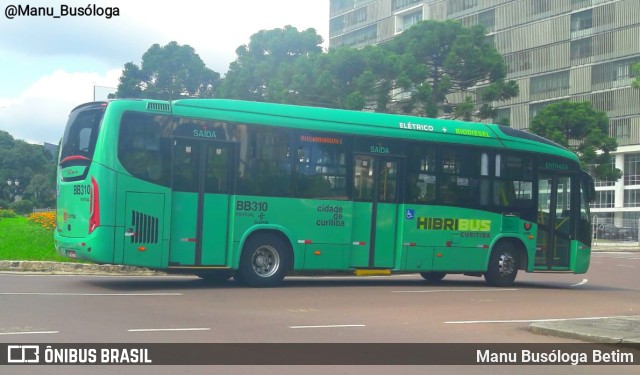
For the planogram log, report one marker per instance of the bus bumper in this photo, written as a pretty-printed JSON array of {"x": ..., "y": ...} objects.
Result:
[
  {"x": 581, "y": 256},
  {"x": 96, "y": 247}
]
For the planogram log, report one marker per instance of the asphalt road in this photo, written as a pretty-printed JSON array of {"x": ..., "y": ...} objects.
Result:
[{"x": 41, "y": 308}]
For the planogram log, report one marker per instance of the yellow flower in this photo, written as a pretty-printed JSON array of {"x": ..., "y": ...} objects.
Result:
[{"x": 46, "y": 219}]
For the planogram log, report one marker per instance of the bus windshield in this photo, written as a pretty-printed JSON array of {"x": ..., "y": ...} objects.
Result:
[{"x": 81, "y": 132}]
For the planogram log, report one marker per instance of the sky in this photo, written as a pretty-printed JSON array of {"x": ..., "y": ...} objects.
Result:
[{"x": 49, "y": 65}]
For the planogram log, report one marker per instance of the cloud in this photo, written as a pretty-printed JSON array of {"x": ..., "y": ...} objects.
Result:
[
  {"x": 214, "y": 29},
  {"x": 112, "y": 41},
  {"x": 48, "y": 66},
  {"x": 40, "y": 112}
]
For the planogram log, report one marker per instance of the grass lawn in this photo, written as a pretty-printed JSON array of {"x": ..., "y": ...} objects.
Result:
[{"x": 21, "y": 239}]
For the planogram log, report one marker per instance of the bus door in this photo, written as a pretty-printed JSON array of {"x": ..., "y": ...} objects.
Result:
[
  {"x": 200, "y": 202},
  {"x": 375, "y": 213},
  {"x": 556, "y": 220}
]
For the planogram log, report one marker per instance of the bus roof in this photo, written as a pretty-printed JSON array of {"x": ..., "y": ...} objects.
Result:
[{"x": 367, "y": 124}]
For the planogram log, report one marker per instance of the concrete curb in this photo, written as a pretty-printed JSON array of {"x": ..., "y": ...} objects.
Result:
[
  {"x": 615, "y": 330},
  {"x": 74, "y": 268}
]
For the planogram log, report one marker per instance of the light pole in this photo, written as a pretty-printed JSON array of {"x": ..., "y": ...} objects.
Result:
[{"x": 15, "y": 183}]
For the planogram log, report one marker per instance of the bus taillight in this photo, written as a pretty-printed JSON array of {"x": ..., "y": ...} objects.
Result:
[{"x": 94, "y": 206}]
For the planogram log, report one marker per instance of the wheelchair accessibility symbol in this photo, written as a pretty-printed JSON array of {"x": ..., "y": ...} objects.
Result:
[{"x": 410, "y": 214}]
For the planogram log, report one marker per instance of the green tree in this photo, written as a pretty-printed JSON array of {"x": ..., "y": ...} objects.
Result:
[
  {"x": 169, "y": 72},
  {"x": 439, "y": 58},
  {"x": 429, "y": 61},
  {"x": 346, "y": 78},
  {"x": 22, "y": 161},
  {"x": 583, "y": 130},
  {"x": 265, "y": 68},
  {"x": 41, "y": 191}
]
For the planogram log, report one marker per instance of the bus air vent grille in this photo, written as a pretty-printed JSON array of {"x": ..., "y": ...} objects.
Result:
[
  {"x": 145, "y": 228},
  {"x": 159, "y": 107}
]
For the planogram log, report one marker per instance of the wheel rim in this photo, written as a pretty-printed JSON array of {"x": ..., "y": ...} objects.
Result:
[
  {"x": 265, "y": 261},
  {"x": 506, "y": 264}
]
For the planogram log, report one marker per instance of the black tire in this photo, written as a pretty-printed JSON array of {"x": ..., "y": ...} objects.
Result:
[
  {"x": 503, "y": 265},
  {"x": 264, "y": 262},
  {"x": 215, "y": 276},
  {"x": 237, "y": 276},
  {"x": 433, "y": 277}
]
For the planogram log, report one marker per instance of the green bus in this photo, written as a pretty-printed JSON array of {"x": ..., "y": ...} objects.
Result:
[{"x": 222, "y": 188}]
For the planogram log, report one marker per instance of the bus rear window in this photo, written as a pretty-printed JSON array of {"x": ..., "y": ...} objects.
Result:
[{"x": 80, "y": 136}]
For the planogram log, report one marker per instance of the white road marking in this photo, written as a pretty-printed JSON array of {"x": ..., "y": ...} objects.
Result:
[
  {"x": 529, "y": 320},
  {"x": 625, "y": 265},
  {"x": 167, "y": 329},
  {"x": 454, "y": 290},
  {"x": 90, "y": 294},
  {"x": 330, "y": 326},
  {"x": 584, "y": 281},
  {"x": 29, "y": 333}
]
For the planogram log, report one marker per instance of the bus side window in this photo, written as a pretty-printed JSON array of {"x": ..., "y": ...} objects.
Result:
[
  {"x": 513, "y": 184},
  {"x": 142, "y": 150},
  {"x": 421, "y": 174},
  {"x": 464, "y": 179},
  {"x": 265, "y": 165},
  {"x": 320, "y": 166}
]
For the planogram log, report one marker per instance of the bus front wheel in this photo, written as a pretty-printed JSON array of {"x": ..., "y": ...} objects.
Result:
[
  {"x": 264, "y": 261},
  {"x": 503, "y": 265}
]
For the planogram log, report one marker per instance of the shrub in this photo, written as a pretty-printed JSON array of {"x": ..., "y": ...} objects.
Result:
[
  {"x": 22, "y": 207},
  {"x": 7, "y": 213}
]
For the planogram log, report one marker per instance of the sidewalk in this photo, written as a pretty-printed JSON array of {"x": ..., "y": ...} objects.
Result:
[
  {"x": 624, "y": 330},
  {"x": 618, "y": 246}
]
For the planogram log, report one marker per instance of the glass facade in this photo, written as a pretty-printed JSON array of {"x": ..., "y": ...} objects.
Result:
[{"x": 579, "y": 50}]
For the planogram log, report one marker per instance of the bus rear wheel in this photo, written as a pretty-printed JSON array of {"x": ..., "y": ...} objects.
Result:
[
  {"x": 433, "y": 277},
  {"x": 264, "y": 262},
  {"x": 503, "y": 265}
]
